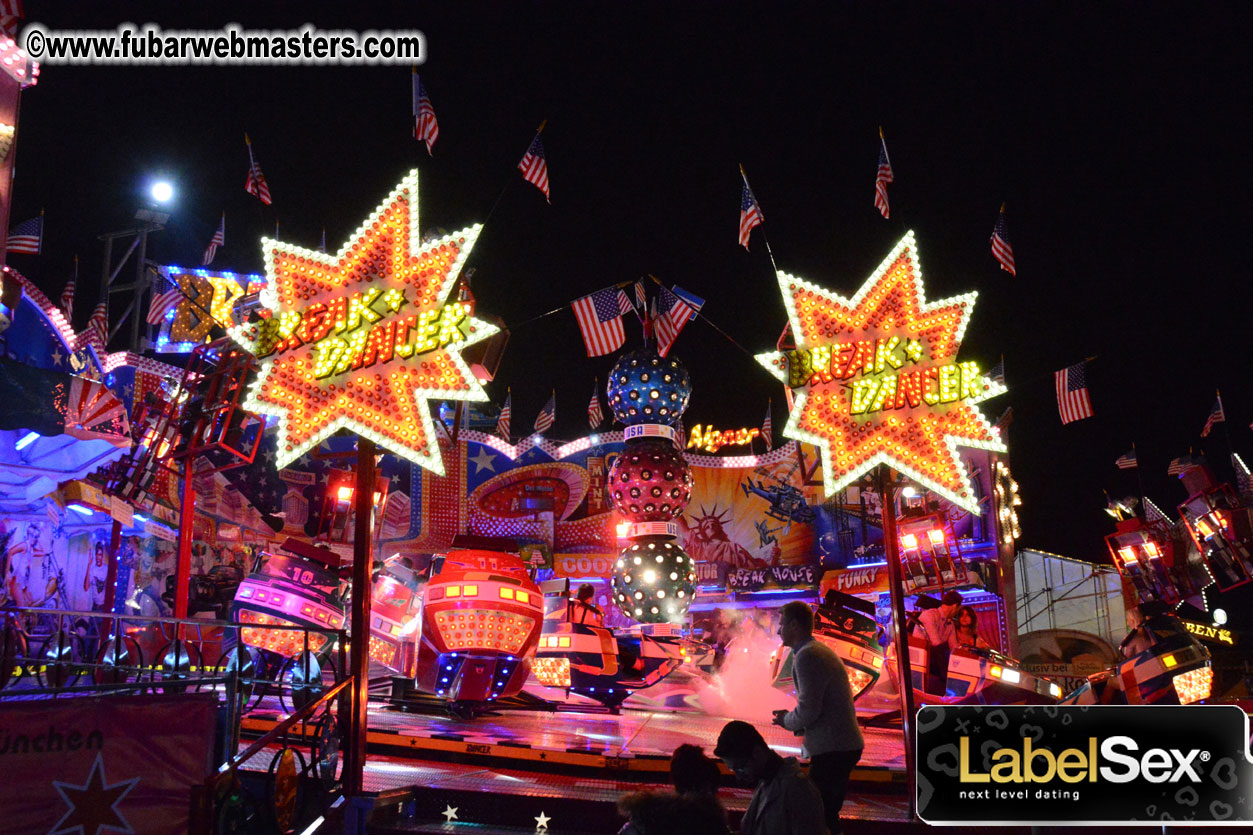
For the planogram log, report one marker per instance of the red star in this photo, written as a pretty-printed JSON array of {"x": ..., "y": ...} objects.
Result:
[
  {"x": 365, "y": 338},
  {"x": 92, "y": 805},
  {"x": 916, "y": 438}
]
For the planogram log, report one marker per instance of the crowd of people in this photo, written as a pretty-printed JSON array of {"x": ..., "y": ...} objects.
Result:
[{"x": 785, "y": 801}]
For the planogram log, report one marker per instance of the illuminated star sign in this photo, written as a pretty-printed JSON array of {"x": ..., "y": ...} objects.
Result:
[
  {"x": 877, "y": 381},
  {"x": 365, "y": 338}
]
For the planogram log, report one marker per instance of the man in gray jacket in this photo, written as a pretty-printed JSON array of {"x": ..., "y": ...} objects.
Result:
[
  {"x": 785, "y": 802},
  {"x": 824, "y": 714}
]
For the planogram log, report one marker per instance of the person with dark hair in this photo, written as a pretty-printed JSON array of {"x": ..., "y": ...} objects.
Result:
[
  {"x": 824, "y": 715},
  {"x": 585, "y": 611},
  {"x": 662, "y": 813},
  {"x": 691, "y": 772},
  {"x": 784, "y": 802},
  {"x": 937, "y": 625},
  {"x": 965, "y": 634}
]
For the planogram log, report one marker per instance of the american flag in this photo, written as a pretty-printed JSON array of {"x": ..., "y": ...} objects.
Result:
[
  {"x": 502, "y": 421},
  {"x": 425, "y": 128},
  {"x": 767, "y": 429},
  {"x": 547, "y": 416},
  {"x": 1000, "y": 243},
  {"x": 595, "y": 415},
  {"x": 600, "y": 320},
  {"x": 677, "y": 308},
  {"x": 1072, "y": 393},
  {"x": 67, "y": 295},
  {"x": 11, "y": 15},
  {"x": 1127, "y": 461},
  {"x": 1215, "y": 416},
  {"x": 750, "y": 214},
  {"x": 219, "y": 239},
  {"x": 534, "y": 167},
  {"x": 256, "y": 184},
  {"x": 98, "y": 324},
  {"x": 997, "y": 374},
  {"x": 27, "y": 236},
  {"x": 163, "y": 303},
  {"x": 1178, "y": 465},
  {"x": 884, "y": 177}
]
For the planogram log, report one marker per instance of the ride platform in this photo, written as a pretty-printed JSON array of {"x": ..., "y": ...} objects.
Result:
[
  {"x": 633, "y": 744},
  {"x": 568, "y": 764}
]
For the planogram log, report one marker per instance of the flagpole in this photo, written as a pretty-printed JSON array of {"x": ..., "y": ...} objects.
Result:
[
  {"x": 1139, "y": 477},
  {"x": 509, "y": 181},
  {"x": 764, "y": 237},
  {"x": 492, "y": 210},
  {"x": 252, "y": 165},
  {"x": 1226, "y": 432},
  {"x": 69, "y": 311},
  {"x": 988, "y": 255}
]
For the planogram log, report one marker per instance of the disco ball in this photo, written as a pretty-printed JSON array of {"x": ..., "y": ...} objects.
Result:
[
  {"x": 650, "y": 482},
  {"x": 645, "y": 388},
  {"x": 653, "y": 580}
]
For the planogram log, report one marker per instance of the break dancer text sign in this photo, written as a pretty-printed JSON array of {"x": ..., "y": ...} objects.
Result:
[
  {"x": 876, "y": 379},
  {"x": 364, "y": 339}
]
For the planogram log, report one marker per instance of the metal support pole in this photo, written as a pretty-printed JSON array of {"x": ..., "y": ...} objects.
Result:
[
  {"x": 141, "y": 264},
  {"x": 359, "y": 641},
  {"x": 891, "y": 552},
  {"x": 105, "y": 278},
  {"x": 185, "y": 528},
  {"x": 110, "y": 577}
]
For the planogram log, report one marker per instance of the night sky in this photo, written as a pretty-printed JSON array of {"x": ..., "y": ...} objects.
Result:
[{"x": 1118, "y": 136}]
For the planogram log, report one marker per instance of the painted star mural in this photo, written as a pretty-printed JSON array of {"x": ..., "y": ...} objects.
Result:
[
  {"x": 365, "y": 338},
  {"x": 877, "y": 381},
  {"x": 93, "y": 805}
]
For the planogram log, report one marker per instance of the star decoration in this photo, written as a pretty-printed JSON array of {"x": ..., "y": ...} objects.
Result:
[
  {"x": 93, "y": 804},
  {"x": 450, "y": 813},
  {"x": 541, "y": 822},
  {"x": 364, "y": 339},
  {"x": 877, "y": 382},
  {"x": 483, "y": 461}
]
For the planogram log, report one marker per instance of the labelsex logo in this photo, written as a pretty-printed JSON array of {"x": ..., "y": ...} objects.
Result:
[{"x": 1074, "y": 765}]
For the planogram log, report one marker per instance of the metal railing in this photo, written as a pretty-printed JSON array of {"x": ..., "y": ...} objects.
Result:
[{"x": 58, "y": 654}]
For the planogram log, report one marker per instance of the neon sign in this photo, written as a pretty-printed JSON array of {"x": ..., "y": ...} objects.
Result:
[
  {"x": 1206, "y": 632},
  {"x": 352, "y": 332},
  {"x": 711, "y": 440},
  {"x": 876, "y": 390},
  {"x": 877, "y": 379},
  {"x": 208, "y": 299},
  {"x": 364, "y": 339}
]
